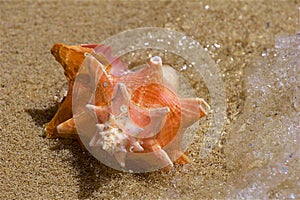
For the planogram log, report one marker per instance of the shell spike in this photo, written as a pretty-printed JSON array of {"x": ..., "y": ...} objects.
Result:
[
  {"x": 96, "y": 69},
  {"x": 157, "y": 121},
  {"x": 192, "y": 110},
  {"x": 155, "y": 64},
  {"x": 67, "y": 127},
  {"x": 101, "y": 113},
  {"x": 155, "y": 61},
  {"x": 92, "y": 46},
  {"x": 120, "y": 100},
  {"x": 163, "y": 158},
  {"x": 136, "y": 147}
]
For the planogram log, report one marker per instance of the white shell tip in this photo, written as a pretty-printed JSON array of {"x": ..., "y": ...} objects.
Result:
[
  {"x": 204, "y": 106},
  {"x": 156, "y": 60}
]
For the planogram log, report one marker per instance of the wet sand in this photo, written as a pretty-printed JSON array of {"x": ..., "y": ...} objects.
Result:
[{"x": 32, "y": 84}]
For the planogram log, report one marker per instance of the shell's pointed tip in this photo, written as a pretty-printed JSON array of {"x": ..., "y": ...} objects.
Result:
[
  {"x": 205, "y": 108},
  {"x": 156, "y": 60},
  {"x": 55, "y": 49},
  {"x": 66, "y": 127},
  {"x": 92, "y": 46},
  {"x": 60, "y": 128},
  {"x": 136, "y": 147}
]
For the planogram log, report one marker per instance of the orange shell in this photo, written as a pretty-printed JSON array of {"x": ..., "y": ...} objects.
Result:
[
  {"x": 144, "y": 85},
  {"x": 155, "y": 95},
  {"x": 71, "y": 58}
]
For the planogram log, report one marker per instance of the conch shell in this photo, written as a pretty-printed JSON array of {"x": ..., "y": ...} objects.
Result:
[{"x": 135, "y": 110}]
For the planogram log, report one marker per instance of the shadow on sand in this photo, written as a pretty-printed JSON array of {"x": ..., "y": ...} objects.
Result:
[
  {"x": 42, "y": 116},
  {"x": 93, "y": 176}
]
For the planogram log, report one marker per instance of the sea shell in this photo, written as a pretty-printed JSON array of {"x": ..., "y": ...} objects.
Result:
[{"x": 136, "y": 111}]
